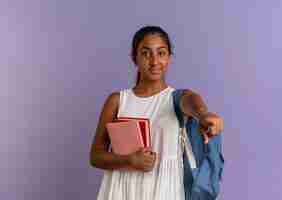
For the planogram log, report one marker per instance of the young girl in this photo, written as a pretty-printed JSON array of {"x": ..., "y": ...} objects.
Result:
[{"x": 158, "y": 170}]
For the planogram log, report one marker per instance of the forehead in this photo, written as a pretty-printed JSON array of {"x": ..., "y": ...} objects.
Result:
[{"x": 153, "y": 41}]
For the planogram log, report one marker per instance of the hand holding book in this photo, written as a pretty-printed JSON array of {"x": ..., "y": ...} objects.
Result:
[
  {"x": 143, "y": 159},
  {"x": 131, "y": 137}
]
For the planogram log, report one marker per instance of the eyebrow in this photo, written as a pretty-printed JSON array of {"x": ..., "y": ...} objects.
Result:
[{"x": 145, "y": 47}]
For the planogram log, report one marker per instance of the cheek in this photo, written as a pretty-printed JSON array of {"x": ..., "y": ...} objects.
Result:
[
  {"x": 141, "y": 61},
  {"x": 143, "y": 65},
  {"x": 164, "y": 65}
]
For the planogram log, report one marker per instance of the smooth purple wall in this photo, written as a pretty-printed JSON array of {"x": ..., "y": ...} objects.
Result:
[{"x": 60, "y": 59}]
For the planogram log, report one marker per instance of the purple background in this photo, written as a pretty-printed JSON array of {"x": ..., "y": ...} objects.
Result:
[{"x": 60, "y": 59}]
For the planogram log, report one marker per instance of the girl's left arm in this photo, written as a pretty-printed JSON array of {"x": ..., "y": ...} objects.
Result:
[{"x": 193, "y": 105}]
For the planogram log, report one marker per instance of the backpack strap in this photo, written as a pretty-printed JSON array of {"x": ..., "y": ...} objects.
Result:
[
  {"x": 183, "y": 119},
  {"x": 176, "y": 94}
]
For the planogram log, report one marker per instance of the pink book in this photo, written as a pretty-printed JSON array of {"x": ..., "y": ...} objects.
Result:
[
  {"x": 144, "y": 125},
  {"x": 125, "y": 137}
]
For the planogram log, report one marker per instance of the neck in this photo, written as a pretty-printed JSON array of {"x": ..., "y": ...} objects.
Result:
[{"x": 151, "y": 86}]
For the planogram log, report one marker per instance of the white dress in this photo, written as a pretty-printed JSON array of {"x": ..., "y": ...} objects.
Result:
[{"x": 165, "y": 181}]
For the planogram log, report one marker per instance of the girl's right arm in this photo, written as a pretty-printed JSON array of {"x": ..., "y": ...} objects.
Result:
[
  {"x": 99, "y": 155},
  {"x": 142, "y": 160}
]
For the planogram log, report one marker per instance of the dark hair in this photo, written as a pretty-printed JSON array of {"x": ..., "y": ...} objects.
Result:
[{"x": 140, "y": 35}]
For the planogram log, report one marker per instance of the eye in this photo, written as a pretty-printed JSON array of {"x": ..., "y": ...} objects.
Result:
[
  {"x": 145, "y": 53},
  {"x": 162, "y": 53}
]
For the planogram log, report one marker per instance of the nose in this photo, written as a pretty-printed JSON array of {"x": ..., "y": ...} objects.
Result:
[{"x": 154, "y": 59}]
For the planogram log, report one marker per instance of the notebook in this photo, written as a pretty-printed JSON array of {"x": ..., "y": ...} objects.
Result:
[
  {"x": 144, "y": 124},
  {"x": 125, "y": 137}
]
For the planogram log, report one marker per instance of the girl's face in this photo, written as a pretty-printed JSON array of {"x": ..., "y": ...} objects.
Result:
[{"x": 152, "y": 57}]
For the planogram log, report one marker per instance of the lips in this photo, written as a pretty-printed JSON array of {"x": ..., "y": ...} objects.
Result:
[{"x": 156, "y": 71}]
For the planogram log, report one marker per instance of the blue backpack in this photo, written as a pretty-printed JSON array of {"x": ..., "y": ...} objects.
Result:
[{"x": 202, "y": 170}]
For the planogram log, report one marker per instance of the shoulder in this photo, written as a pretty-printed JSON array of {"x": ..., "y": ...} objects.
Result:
[
  {"x": 113, "y": 98},
  {"x": 189, "y": 92},
  {"x": 185, "y": 92},
  {"x": 110, "y": 106}
]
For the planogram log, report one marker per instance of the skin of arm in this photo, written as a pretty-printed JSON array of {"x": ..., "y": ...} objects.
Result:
[
  {"x": 99, "y": 155},
  {"x": 192, "y": 105}
]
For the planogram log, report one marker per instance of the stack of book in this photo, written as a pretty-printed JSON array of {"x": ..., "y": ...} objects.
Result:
[{"x": 128, "y": 134}]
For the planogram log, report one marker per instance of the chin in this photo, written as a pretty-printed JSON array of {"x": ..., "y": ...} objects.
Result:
[{"x": 155, "y": 77}]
